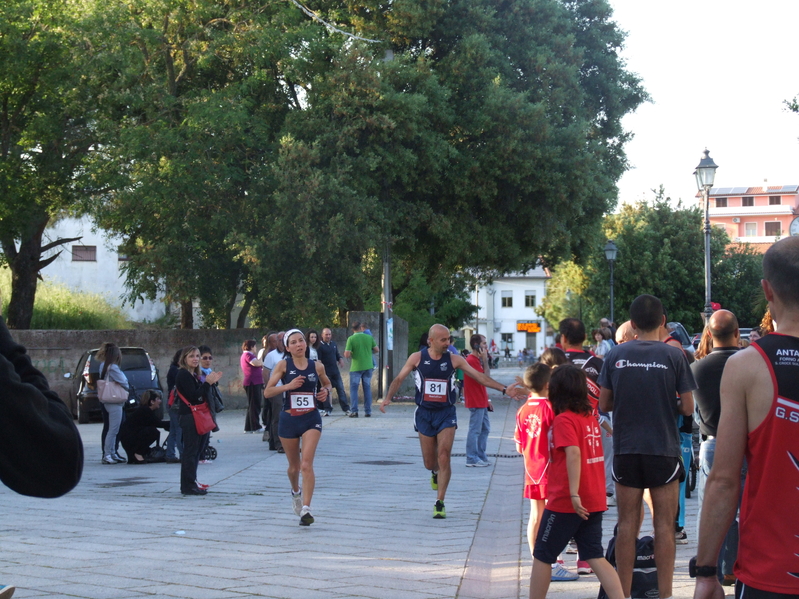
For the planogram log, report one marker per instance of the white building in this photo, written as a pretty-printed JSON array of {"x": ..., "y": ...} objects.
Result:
[
  {"x": 92, "y": 265},
  {"x": 506, "y": 312}
]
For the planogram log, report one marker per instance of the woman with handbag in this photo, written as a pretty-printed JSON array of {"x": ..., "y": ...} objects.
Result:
[
  {"x": 112, "y": 391},
  {"x": 253, "y": 382},
  {"x": 195, "y": 418},
  {"x": 300, "y": 422}
]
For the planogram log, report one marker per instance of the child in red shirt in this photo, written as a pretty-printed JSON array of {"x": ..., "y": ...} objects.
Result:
[
  {"x": 533, "y": 423},
  {"x": 576, "y": 486}
]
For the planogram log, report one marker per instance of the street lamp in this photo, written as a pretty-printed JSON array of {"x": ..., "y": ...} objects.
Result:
[
  {"x": 705, "y": 173},
  {"x": 610, "y": 253}
]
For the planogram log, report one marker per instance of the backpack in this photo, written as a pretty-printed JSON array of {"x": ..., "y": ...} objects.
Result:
[{"x": 645, "y": 573}]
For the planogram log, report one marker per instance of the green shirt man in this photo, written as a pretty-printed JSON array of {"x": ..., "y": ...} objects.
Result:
[{"x": 360, "y": 348}]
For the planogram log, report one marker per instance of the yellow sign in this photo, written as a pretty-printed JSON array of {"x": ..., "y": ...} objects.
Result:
[{"x": 528, "y": 327}]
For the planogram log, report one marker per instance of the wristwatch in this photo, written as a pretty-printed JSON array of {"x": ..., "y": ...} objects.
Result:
[{"x": 703, "y": 571}]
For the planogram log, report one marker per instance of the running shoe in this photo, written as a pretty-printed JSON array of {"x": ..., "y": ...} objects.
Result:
[
  {"x": 561, "y": 574},
  {"x": 296, "y": 501},
  {"x": 434, "y": 480},
  {"x": 482, "y": 464},
  {"x": 306, "y": 519},
  {"x": 681, "y": 537},
  {"x": 6, "y": 591},
  {"x": 110, "y": 460},
  {"x": 584, "y": 567},
  {"x": 611, "y": 499},
  {"x": 439, "y": 511},
  {"x": 201, "y": 485}
]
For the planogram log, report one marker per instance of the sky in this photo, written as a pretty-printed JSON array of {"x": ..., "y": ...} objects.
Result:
[{"x": 718, "y": 72}]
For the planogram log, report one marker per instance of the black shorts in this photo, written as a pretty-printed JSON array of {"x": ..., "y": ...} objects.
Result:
[
  {"x": 431, "y": 422},
  {"x": 646, "y": 471},
  {"x": 294, "y": 427},
  {"x": 744, "y": 591},
  {"x": 558, "y": 528}
]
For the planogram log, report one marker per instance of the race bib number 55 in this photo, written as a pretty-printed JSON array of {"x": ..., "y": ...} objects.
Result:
[
  {"x": 301, "y": 403},
  {"x": 435, "y": 390}
]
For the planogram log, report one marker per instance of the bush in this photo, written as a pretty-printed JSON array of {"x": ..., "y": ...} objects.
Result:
[{"x": 59, "y": 307}]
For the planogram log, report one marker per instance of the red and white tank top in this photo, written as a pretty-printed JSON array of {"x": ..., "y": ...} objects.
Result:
[{"x": 768, "y": 554}]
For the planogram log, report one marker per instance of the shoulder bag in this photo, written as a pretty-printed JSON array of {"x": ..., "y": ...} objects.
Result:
[
  {"x": 203, "y": 421},
  {"x": 111, "y": 392}
]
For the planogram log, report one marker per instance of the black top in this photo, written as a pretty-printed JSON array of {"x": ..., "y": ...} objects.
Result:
[
  {"x": 41, "y": 453},
  {"x": 141, "y": 417},
  {"x": 329, "y": 356},
  {"x": 435, "y": 381},
  {"x": 191, "y": 388},
  {"x": 707, "y": 373},
  {"x": 782, "y": 354}
]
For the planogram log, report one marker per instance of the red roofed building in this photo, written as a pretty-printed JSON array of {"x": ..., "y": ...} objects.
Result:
[{"x": 756, "y": 215}]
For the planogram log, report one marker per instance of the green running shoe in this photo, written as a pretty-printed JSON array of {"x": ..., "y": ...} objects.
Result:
[{"x": 439, "y": 511}]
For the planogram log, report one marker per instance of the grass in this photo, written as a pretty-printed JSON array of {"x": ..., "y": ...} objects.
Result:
[{"x": 59, "y": 307}]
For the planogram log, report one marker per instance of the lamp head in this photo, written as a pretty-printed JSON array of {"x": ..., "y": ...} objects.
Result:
[
  {"x": 705, "y": 172},
  {"x": 611, "y": 250}
]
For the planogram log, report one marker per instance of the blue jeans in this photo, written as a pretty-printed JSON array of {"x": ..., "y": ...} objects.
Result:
[
  {"x": 357, "y": 377},
  {"x": 477, "y": 437},
  {"x": 338, "y": 385},
  {"x": 174, "y": 442},
  {"x": 729, "y": 549}
]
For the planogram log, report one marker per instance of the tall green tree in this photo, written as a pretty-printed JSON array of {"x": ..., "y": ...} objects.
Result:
[{"x": 44, "y": 138}]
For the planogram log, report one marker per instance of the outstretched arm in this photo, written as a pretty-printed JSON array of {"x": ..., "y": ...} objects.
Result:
[
  {"x": 485, "y": 380},
  {"x": 410, "y": 364}
]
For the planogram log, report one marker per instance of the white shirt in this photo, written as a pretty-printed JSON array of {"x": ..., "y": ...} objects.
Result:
[{"x": 271, "y": 360}]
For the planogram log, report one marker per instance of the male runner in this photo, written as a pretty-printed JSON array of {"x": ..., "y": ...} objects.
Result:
[
  {"x": 435, "y": 419},
  {"x": 759, "y": 420}
]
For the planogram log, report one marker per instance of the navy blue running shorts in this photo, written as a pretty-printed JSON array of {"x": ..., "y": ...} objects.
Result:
[
  {"x": 293, "y": 427},
  {"x": 557, "y": 528},
  {"x": 431, "y": 422}
]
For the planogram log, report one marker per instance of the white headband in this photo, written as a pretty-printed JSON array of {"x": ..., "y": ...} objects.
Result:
[{"x": 288, "y": 334}]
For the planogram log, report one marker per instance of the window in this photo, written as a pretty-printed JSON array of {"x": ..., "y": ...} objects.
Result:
[
  {"x": 750, "y": 229},
  {"x": 773, "y": 229},
  {"x": 507, "y": 299},
  {"x": 747, "y": 202},
  {"x": 507, "y": 341},
  {"x": 122, "y": 256},
  {"x": 529, "y": 299},
  {"x": 774, "y": 200},
  {"x": 721, "y": 202},
  {"x": 84, "y": 253}
]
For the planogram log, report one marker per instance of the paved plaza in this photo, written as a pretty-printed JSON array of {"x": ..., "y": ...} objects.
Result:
[{"x": 126, "y": 531}]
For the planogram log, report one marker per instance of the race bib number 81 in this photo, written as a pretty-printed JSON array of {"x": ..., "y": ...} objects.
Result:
[
  {"x": 435, "y": 390},
  {"x": 301, "y": 403}
]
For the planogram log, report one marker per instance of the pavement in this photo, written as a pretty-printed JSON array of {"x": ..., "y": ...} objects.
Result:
[{"x": 127, "y": 532}]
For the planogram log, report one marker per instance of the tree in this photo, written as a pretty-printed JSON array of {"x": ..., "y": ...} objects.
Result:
[
  {"x": 565, "y": 296},
  {"x": 44, "y": 139}
]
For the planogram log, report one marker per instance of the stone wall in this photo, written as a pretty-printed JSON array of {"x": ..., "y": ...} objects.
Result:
[{"x": 56, "y": 353}]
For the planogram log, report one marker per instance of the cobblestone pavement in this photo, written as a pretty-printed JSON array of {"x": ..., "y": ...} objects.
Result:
[{"x": 126, "y": 531}]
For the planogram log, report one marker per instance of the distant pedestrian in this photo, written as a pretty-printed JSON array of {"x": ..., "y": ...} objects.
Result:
[
  {"x": 253, "y": 382},
  {"x": 275, "y": 401},
  {"x": 110, "y": 371},
  {"x": 478, "y": 404},
  {"x": 174, "y": 441},
  {"x": 332, "y": 361},
  {"x": 311, "y": 352},
  {"x": 360, "y": 348}
]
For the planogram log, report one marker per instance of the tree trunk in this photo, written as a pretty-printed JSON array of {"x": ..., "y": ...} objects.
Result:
[
  {"x": 186, "y": 314},
  {"x": 249, "y": 297},
  {"x": 24, "y": 265}
]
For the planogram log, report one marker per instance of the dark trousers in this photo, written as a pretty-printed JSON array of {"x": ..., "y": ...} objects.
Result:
[
  {"x": 140, "y": 442},
  {"x": 338, "y": 385},
  {"x": 276, "y": 403},
  {"x": 190, "y": 458},
  {"x": 254, "y": 395}
]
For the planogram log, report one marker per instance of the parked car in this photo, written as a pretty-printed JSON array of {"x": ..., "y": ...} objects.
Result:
[
  {"x": 680, "y": 333},
  {"x": 695, "y": 341},
  {"x": 137, "y": 366}
]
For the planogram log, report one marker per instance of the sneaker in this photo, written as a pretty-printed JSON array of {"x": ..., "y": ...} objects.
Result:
[
  {"x": 205, "y": 462},
  {"x": 296, "y": 501},
  {"x": 347, "y": 413},
  {"x": 306, "y": 519},
  {"x": 201, "y": 485},
  {"x": 353, "y": 414},
  {"x": 265, "y": 436},
  {"x": 584, "y": 567},
  {"x": 434, "y": 480},
  {"x": 109, "y": 459},
  {"x": 328, "y": 413},
  {"x": 561, "y": 574},
  {"x": 472, "y": 465},
  {"x": 119, "y": 458},
  {"x": 260, "y": 430},
  {"x": 572, "y": 547},
  {"x": 6, "y": 591},
  {"x": 611, "y": 499},
  {"x": 439, "y": 511},
  {"x": 482, "y": 464},
  {"x": 681, "y": 537},
  {"x": 173, "y": 460}
]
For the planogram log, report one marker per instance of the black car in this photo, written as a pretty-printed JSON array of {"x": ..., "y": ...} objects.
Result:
[{"x": 138, "y": 368}]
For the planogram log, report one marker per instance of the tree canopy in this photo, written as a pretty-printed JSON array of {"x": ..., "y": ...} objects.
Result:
[{"x": 245, "y": 148}]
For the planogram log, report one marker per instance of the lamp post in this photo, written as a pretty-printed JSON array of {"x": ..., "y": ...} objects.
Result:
[
  {"x": 610, "y": 253},
  {"x": 705, "y": 173}
]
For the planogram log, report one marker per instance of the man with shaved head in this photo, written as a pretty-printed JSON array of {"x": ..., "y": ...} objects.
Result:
[
  {"x": 723, "y": 330},
  {"x": 625, "y": 333},
  {"x": 435, "y": 420},
  {"x": 760, "y": 421}
]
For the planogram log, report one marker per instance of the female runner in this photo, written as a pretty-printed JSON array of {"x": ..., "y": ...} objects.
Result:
[{"x": 299, "y": 418}]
